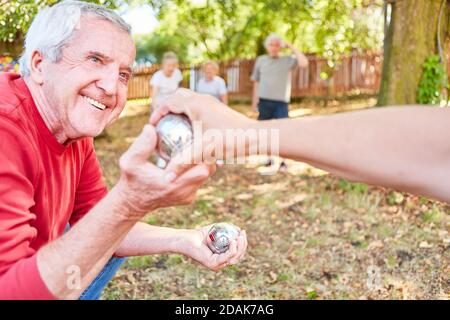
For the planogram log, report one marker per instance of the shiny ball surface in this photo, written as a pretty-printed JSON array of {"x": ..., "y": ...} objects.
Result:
[
  {"x": 220, "y": 235},
  {"x": 174, "y": 134}
]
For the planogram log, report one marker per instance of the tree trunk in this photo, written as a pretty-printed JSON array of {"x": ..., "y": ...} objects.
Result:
[{"x": 410, "y": 39}]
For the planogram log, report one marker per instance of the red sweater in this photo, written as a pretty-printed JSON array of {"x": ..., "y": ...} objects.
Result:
[{"x": 43, "y": 186}]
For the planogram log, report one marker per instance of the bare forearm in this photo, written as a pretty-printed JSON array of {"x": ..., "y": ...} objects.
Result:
[
  {"x": 154, "y": 93},
  {"x": 301, "y": 58},
  {"x": 401, "y": 147},
  {"x": 224, "y": 98},
  {"x": 145, "y": 239},
  {"x": 81, "y": 253}
]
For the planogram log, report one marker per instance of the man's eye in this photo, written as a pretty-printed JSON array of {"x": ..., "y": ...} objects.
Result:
[
  {"x": 94, "y": 59},
  {"x": 124, "y": 76}
]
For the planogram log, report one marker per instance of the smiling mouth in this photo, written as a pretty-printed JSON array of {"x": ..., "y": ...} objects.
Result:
[{"x": 95, "y": 103}]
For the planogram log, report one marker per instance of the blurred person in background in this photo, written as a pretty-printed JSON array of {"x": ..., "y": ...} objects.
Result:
[
  {"x": 271, "y": 78},
  {"x": 167, "y": 80},
  {"x": 211, "y": 83}
]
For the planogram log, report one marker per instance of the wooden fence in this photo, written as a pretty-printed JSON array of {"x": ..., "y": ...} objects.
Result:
[{"x": 355, "y": 73}]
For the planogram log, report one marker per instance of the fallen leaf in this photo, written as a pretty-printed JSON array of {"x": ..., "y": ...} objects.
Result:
[{"x": 425, "y": 245}]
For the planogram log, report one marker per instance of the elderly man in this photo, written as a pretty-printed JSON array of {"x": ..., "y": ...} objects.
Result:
[
  {"x": 75, "y": 68},
  {"x": 272, "y": 81}
]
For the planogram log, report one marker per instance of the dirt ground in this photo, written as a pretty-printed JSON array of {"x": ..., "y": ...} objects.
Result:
[{"x": 311, "y": 235}]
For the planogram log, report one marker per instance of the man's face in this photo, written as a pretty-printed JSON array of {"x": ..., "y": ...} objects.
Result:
[
  {"x": 274, "y": 47},
  {"x": 87, "y": 88},
  {"x": 210, "y": 72}
]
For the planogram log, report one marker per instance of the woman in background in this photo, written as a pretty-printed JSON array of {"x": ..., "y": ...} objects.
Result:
[
  {"x": 211, "y": 83},
  {"x": 165, "y": 81}
]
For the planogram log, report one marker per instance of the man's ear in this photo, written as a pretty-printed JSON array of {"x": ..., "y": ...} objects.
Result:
[{"x": 36, "y": 67}]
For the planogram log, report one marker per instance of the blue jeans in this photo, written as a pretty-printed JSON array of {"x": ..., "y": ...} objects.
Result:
[
  {"x": 95, "y": 289},
  {"x": 271, "y": 109}
]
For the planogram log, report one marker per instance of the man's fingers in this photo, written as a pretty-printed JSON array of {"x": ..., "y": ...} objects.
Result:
[
  {"x": 141, "y": 149},
  {"x": 178, "y": 165},
  {"x": 189, "y": 157},
  {"x": 160, "y": 112},
  {"x": 196, "y": 174},
  {"x": 241, "y": 247},
  {"x": 224, "y": 258},
  {"x": 172, "y": 105}
]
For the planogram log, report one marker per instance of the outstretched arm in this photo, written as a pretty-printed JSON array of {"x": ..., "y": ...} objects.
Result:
[
  {"x": 406, "y": 148},
  {"x": 144, "y": 239}
]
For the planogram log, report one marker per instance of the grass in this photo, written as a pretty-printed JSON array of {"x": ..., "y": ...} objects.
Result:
[{"x": 311, "y": 236}]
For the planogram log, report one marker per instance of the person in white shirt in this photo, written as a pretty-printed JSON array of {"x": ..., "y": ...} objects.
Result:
[
  {"x": 211, "y": 83},
  {"x": 165, "y": 81}
]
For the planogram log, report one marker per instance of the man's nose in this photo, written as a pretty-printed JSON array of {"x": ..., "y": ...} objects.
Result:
[{"x": 109, "y": 82}]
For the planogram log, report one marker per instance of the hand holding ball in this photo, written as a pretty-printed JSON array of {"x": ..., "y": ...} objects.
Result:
[
  {"x": 220, "y": 236},
  {"x": 174, "y": 134}
]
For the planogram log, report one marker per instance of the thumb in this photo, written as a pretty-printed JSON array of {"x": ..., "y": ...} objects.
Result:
[
  {"x": 180, "y": 163},
  {"x": 141, "y": 149}
]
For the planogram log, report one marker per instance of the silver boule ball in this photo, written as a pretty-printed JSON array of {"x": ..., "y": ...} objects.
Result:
[
  {"x": 220, "y": 235},
  {"x": 174, "y": 134}
]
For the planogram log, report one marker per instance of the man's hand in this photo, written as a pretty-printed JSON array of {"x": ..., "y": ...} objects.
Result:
[
  {"x": 211, "y": 114},
  {"x": 255, "y": 106},
  {"x": 196, "y": 248},
  {"x": 200, "y": 107},
  {"x": 144, "y": 239},
  {"x": 301, "y": 58},
  {"x": 144, "y": 187},
  {"x": 288, "y": 45}
]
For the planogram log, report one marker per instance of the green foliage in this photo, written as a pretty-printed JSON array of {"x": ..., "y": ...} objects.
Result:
[
  {"x": 311, "y": 295},
  {"x": 151, "y": 48},
  {"x": 356, "y": 187},
  {"x": 140, "y": 262},
  {"x": 433, "y": 82},
  {"x": 225, "y": 29},
  {"x": 343, "y": 26},
  {"x": 282, "y": 277},
  {"x": 434, "y": 214},
  {"x": 395, "y": 198},
  {"x": 16, "y": 15}
]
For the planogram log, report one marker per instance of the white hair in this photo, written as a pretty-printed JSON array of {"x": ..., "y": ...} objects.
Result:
[
  {"x": 271, "y": 37},
  {"x": 169, "y": 55},
  {"x": 53, "y": 27}
]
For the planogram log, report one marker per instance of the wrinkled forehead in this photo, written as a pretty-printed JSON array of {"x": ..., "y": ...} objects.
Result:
[{"x": 96, "y": 34}]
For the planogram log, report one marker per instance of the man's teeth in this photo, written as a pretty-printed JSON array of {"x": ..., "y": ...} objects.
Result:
[{"x": 95, "y": 103}]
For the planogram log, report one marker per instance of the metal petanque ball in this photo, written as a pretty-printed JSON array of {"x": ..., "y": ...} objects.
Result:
[
  {"x": 174, "y": 133},
  {"x": 220, "y": 235}
]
